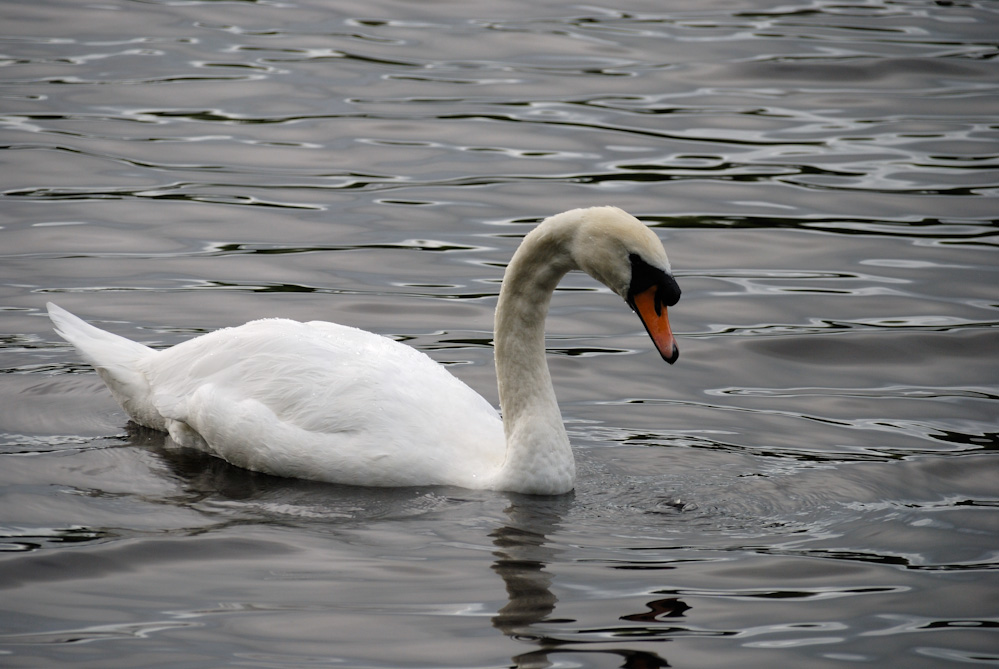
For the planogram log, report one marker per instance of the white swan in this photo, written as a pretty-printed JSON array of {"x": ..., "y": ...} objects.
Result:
[{"x": 333, "y": 403}]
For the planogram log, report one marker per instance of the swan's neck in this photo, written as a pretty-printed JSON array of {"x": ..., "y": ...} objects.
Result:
[{"x": 538, "y": 457}]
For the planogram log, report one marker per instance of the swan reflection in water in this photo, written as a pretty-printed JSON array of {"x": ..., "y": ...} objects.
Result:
[{"x": 523, "y": 551}]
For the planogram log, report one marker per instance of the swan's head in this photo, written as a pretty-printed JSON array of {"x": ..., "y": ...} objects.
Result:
[{"x": 621, "y": 252}]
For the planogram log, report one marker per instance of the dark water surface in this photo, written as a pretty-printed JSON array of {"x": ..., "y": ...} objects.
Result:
[{"x": 814, "y": 484}]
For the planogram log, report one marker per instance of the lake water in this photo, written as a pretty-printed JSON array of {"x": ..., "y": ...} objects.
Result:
[{"x": 815, "y": 483}]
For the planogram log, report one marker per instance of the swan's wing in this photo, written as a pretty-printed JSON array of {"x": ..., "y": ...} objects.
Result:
[{"x": 324, "y": 401}]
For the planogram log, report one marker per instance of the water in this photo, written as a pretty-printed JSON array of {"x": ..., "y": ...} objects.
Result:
[{"x": 815, "y": 483}]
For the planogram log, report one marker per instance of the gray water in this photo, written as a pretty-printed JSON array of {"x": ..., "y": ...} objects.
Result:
[{"x": 815, "y": 483}]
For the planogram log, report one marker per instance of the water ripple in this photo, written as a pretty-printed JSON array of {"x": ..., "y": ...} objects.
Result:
[{"x": 813, "y": 483}]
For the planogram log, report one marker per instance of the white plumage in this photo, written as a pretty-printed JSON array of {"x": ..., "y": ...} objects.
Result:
[{"x": 329, "y": 402}]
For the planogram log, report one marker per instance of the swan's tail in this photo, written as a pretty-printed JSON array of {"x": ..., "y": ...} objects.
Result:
[{"x": 119, "y": 362}]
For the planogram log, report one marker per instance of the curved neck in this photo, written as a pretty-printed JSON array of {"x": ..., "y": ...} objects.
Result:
[{"x": 538, "y": 457}]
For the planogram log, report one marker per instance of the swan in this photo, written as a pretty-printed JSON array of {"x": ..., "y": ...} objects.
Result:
[{"x": 333, "y": 403}]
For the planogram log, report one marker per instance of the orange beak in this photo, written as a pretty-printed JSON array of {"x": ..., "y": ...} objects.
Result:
[{"x": 654, "y": 317}]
